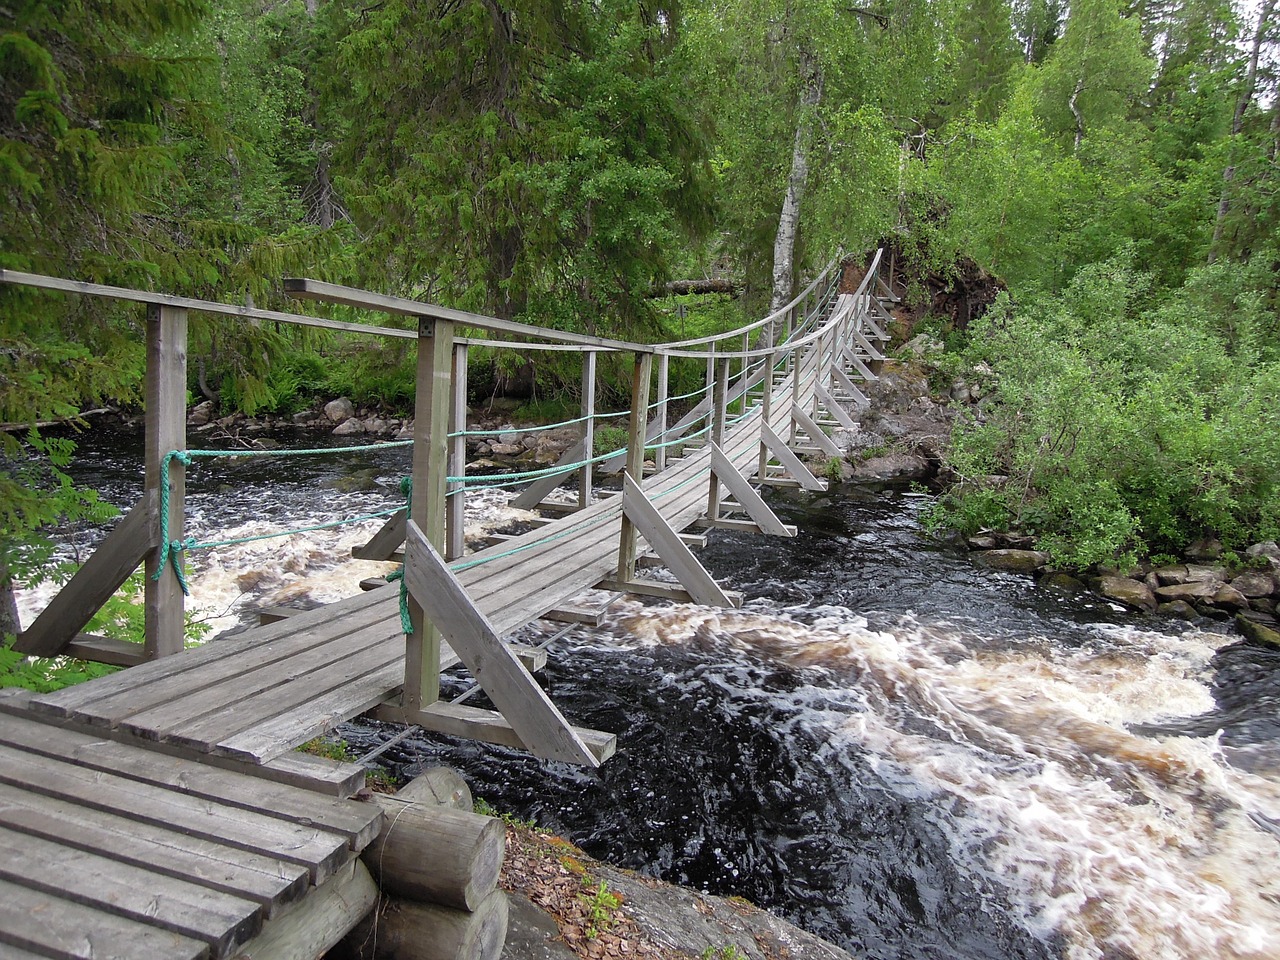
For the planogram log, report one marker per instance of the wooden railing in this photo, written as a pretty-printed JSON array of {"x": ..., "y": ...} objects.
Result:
[{"x": 812, "y": 343}]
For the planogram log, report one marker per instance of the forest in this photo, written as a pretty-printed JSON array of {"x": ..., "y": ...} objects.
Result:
[{"x": 1114, "y": 163}]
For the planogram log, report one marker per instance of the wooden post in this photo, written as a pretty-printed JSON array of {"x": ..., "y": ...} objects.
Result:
[
  {"x": 797, "y": 373},
  {"x": 166, "y": 430},
  {"x": 635, "y": 459},
  {"x": 766, "y": 413},
  {"x": 717, "y": 433},
  {"x": 456, "y": 502},
  {"x": 588, "y": 427},
  {"x": 664, "y": 384},
  {"x": 427, "y": 504}
]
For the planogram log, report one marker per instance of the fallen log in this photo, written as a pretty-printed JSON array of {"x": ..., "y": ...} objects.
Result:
[
  {"x": 443, "y": 786},
  {"x": 401, "y": 930},
  {"x": 436, "y": 854}
]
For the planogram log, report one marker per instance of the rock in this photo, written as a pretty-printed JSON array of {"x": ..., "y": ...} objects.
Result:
[
  {"x": 376, "y": 425},
  {"x": 1199, "y": 590},
  {"x": 1131, "y": 593},
  {"x": 200, "y": 414},
  {"x": 505, "y": 449},
  {"x": 1269, "y": 549},
  {"x": 922, "y": 346},
  {"x": 1190, "y": 573},
  {"x": 483, "y": 449},
  {"x": 960, "y": 391},
  {"x": 1229, "y": 596},
  {"x": 983, "y": 541},
  {"x": 1206, "y": 548},
  {"x": 1257, "y": 632},
  {"x": 1062, "y": 581},
  {"x": 1016, "y": 561},
  {"x": 530, "y": 441},
  {"x": 340, "y": 410},
  {"x": 1177, "y": 608},
  {"x": 1255, "y": 583},
  {"x": 893, "y": 466},
  {"x": 1263, "y": 605},
  {"x": 532, "y": 933},
  {"x": 349, "y": 427},
  {"x": 304, "y": 416},
  {"x": 406, "y": 431}
]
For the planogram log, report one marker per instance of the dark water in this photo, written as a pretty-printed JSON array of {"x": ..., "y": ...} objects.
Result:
[{"x": 902, "y": 753}]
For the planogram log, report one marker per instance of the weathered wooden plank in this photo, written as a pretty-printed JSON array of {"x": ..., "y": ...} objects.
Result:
[
  {"x": 851, "y": 388},
  {"x": 353, "y": 820},
  {"x": 271, "y": 643},
  {"x": 166, "y": 430},
  {"x": 855, "y": 361},
  {"x": 456, "y": 494},
  {"x": 385, "y": 542},
  {"x": 459, "y": 720},
  {"x": 264, "y": 880},
  {"x": 814, "y": 432},
  {"x": 678, "y": 558},
  {"x": 272, "y": 737},
  {"x": 835, "y": 408},
  {"x": 61, "y": 929},
  {"x": 539, "y": 723},
  {"x": 868, "y": 346},
  {"x": 319, "y": 922},
  {"x": 790, "y": 462},
  {"x": 635, "y": 458},
  {"x": 219, "y": 919},
  {"x": 588, "y": 427},
  {"x": 230, "y": 705},
  {"x": 536, "y": 492},
  {"x": 747, "y": 497},
  {"x": 117, "y": 653},
  {"x": 317, "y": 850},
  {"x": 92, "y": 585}
]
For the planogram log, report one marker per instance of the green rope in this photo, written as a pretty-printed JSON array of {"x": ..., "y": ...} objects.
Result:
[
  {"x": 406, "y": 621},
  {"x": 170, "y": 550}
]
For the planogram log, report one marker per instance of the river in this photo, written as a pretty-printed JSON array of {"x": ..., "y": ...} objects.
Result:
[{"x": 907, "y": 755}]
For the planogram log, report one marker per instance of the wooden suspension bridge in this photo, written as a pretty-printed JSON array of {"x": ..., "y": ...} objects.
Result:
[{"x": 163, "y": 811}]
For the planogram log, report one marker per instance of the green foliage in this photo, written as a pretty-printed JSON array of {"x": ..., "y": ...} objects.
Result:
[
  {"x": 485, "y": 809},
  {"x": 609, "y": 440},
  {"x": 727, "y": 952},
  {"x": 1122, "y": 422},
  {"x": 601, "y": 903}
]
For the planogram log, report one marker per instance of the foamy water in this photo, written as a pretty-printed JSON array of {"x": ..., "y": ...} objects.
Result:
[{"x": 1121, "y": 845}]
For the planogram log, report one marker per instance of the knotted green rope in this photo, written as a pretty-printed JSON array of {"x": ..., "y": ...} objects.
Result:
[
  {"x": 171, "y": 550},
  {"x": 406, "y": 622}
]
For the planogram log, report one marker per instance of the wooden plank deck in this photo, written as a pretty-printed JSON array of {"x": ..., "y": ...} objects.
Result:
[
  {"x": 113, "y": 850},
  {"x": 257, "y": 696}
]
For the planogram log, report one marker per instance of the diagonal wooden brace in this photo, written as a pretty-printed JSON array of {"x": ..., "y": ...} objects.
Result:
[
  {"x": 851, "y": 388},
  {"x": 385, "y": 542},
  {"x": 815, "y": 432},
  {"x": 747, "y": 496},
  {"x": 537, "y": 721},
  {"x": 833, "y": 407},
  {"x": 668, "y": 545},
  {"x": 790, "y": 462}
]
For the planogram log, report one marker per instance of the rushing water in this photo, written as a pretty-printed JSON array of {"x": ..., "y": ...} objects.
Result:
[{"x": 902, "y": 753}]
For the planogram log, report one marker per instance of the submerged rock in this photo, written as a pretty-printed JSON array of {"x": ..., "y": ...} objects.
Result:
[
  {"x": 1131, "y": 593},
  {"x": 1016, "y": 561}
]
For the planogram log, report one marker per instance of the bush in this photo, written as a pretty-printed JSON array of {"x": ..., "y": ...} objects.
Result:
[{"x": 1121, "y": 424}]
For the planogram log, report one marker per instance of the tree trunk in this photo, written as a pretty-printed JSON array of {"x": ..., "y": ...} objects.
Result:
[
  {"x": 784, "y": 245},
  {"x": 1237, "y": 123},
  {"x": 1075, "y": 112},
  {"x": 9, "y": 622}
]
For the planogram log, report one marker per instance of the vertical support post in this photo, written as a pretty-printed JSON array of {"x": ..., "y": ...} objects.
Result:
[
  {"x": 433, "y": 394},
  {"x": 166, "y": 430},
  {"x": 797, "y": 374},
  {"x": 588, "y": 427},
  {"x": 635, "y": 458},
  {"x": 664, "y": 388},
  {"x": 766, "y": 416},
  {"x": 456, "y": 500},
  {"x": 717, "y": 432},
  {"x": 743, "y": 363}
]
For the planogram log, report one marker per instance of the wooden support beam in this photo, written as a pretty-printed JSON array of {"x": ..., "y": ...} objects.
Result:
[
  {"x": 538, "y": 490},
  {"x": 385, "y": 542},
  {"x": 166, "y": 430},
  {"x": 718, "y": 413},
  {"x": 540, "y": 725},
  {"x": 668, "y": 545},
  {"x": 663, "y": 591},
  {"x": 835, "y": 408},
  {"x": 790, "y": 462},
  {"x": 635, "y": 459},
  {"x": 867, "y": 345},
  {"x": 456, "y": 496},
  {"x": 855, "y": 361},
  {"x": 588, "y": 427},
  {"x": 851, "y": 388},
  {"x": 748, "y": 499},
  {"x": 660, "y": 417},
  {"x": 427, "y": 504},
  {"x": 319, "y": 921},
  {"x": 741, "y": 526},
  {"x": 815, "y": 433},
  {"x": 93, "y": 584},
  {"x": 471, "y": 723},
  {"x": 117, "y": 653}
]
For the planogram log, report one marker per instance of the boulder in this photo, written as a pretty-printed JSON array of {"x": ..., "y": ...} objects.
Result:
[
  {"x": 893, "y": 466},
  {"x": 349, "y": 427},
  {"x": 406, "y": 431},
  {"x": 1206, "y": 548},
  {"x": 983, "y": 541},
  {"x": 506, "y": 449},
  {"x": 1199, "y": 590},
  {"x": 1269, "y": 549},
  {"x": 303, "y": 416},
  {"x": 340, "y": 410},
  {"x": 1177, "y": 608},
  {"x": 1131, "y": 593},
  {"x": 1190, "y": 573},
  {"x": 1229, "y": 596},
  {"x": 1255, "y": 583},
  {"x": 200, "y": 414},
  {"x": 922, "y": 345},
  {"x": 1257, "y": 632},
  {"x": 1016, "y": 561},
  {"x": 1062, "y": 581},
  {"x": 530, "y": 441}
]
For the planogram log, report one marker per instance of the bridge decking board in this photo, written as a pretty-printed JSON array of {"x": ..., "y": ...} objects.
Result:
[{"x": 114, "y": 850}]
